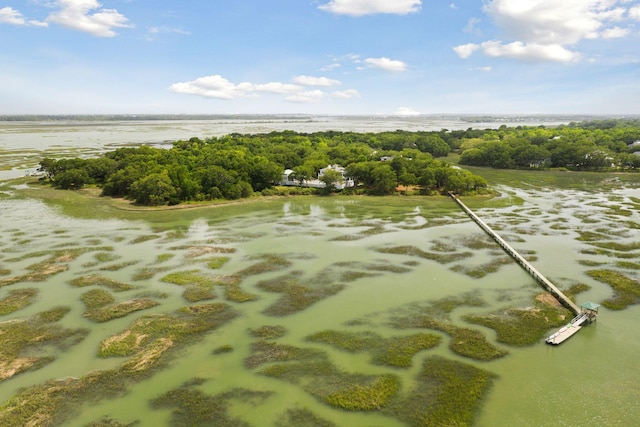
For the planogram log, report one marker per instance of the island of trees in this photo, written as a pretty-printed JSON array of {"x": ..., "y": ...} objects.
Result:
[{"x": 241, "y": 165}]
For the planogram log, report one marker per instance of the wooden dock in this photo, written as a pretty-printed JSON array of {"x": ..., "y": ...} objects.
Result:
[{"x": 544, "y": 282}]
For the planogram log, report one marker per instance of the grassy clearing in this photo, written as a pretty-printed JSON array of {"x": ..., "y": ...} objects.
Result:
[
  {"x": 93, "y": 280},
  {"x": 395, "y": 352},
  {"x": 25, "y": 342},
  {"x": 626, "y": 290},
  {"x": 17, "y": 299},
  {"x": 192, "y": 407},
  {"x": 296, "y": 294},
  {"x": 149, "y": 343}
]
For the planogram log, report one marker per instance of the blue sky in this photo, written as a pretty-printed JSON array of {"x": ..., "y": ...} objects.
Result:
[{"x": 320, "y": 56}]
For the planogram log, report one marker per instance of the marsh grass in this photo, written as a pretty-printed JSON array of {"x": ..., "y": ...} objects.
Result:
[
  {"x": 155, "y": 340},
  {"x": 520, "y": 327},
  {"x": 192, "y": 407},
  {"x": 198, "y": 286},
  {"x": 57, "y": 262},
  {"x": 112, "y": 311},
  {"x": 265, "y": 352},
  {"x": 17, "y": 299},
  {"x": 268, "y": 332},
  {"x": 267, "y": 263},
  {"x": 142, "y": 239},
  {"x": 107, "y": 421},
  {"x": 628, "y": 265},
  {"x": 235, "y": 293},
  {"x": 626, "y": 290},
  {"x": 302, "y": 417},
  {"x": 616, "y": 246},
  {"x": 484, "y": 269},
  {"x": 296, "y": 294},
  {"x": 94, "y": 280},
  {"x": 24, "y": 339},
  {"x": 147, "y": 273},
  {"x": 443, "y": 258},
  {"x": 312, "y": 370},
  {"x": 446, "y": 393},
  {"x": 160, "y": 258},
  {"x": 103, "y": 257},
  {"x": 118, "y": 266},
  {"x": 96, "y": 298},
  {"x": 223, "y": 349},
  {"x": 395, "y": 351}
]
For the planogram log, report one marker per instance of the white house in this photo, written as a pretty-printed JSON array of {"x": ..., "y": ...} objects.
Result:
[{"x": 288, "y": 179}]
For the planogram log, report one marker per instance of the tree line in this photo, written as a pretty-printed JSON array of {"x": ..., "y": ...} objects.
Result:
[
  {"x": 605, "y": 144},
  {"x": 239, "y": 165}
]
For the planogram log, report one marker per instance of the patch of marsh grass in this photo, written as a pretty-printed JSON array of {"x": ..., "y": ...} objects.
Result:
[
  {"x": 17, "y": 299},
  {"x": 94, "y": 280},
  {"x": 626, "y": 289}
]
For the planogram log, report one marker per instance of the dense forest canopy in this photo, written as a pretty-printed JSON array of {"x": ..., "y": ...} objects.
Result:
[
  {"x": 239, "y": 165},
  {"x": 606, "y": 144}
]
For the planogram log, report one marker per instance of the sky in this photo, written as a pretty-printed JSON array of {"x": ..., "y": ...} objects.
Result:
[{"x": 334, "y": 57}]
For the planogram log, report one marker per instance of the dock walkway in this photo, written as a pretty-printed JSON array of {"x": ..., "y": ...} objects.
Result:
[{"x": 562, "y": 298}]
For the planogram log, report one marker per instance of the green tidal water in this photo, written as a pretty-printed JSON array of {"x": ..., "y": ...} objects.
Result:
[{"x": 592, "y": 379}]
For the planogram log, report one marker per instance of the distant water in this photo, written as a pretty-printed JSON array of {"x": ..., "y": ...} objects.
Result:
[{"x": 24, "y": 143}]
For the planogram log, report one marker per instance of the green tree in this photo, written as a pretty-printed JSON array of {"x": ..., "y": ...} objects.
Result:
[{"x": 155, "y": 189}]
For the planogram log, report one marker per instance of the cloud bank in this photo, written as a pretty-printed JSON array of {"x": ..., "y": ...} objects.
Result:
[
  {"x": 549, "y": 30},
  {"x": 216, "y": 86},
  {"x": 82, "y": 15}
]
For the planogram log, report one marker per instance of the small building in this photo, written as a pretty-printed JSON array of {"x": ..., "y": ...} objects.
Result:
[{"x": 591, "y": 310}]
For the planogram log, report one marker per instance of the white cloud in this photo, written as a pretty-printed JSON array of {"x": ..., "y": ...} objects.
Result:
[
  {"x": 371, "y": 7},
  {"x": 614, "y": 33},
  {"x": 308, "y": 97},
  {"x": 76, "y": 14},
  {"x": 529, "y": 52},
  {"x": 315, "y": 81},
  {"x": 216, "y": 86},
  {"x": 330, "y": 67},
  {"x": 386, "y": 64},
  {"x": 346, "y": 94},
  {"x": 466, "y": 50},
  {"x": 406, "y": 111},
  {"x": 547, "y": 30},
  {"x": 634, "y": 13},
  {"x": 9, "y": 15}
]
